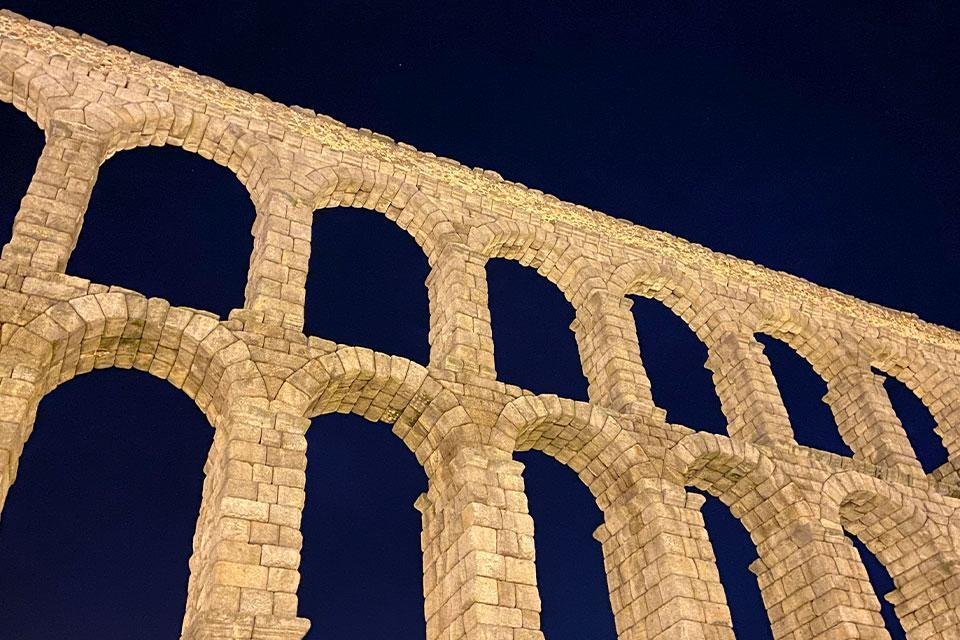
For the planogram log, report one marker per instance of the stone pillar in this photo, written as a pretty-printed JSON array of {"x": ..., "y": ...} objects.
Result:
[
  {"x": 747, "y": 390},
  {"x": 929, "y": 610},
  {"x": 661, "y": 570},
  {"x": 866, "y": 419},
  {"x": 610, "y": 354},
  {"x": 19, "y": 395},
  {"x": 244, "y": 571},
  {"x": 460, "y": 335},
  {"x": 479, "y": 578},
  {"x": 48, "y": 223},
  {"x": 814, "y": 584},
  {"x": 277, "y": 279}
]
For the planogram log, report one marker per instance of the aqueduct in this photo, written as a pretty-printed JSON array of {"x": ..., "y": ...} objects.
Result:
[{"x": 259, "y": 379}]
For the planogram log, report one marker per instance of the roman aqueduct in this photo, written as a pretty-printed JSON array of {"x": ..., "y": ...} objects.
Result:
[{"x": 259, "y": 380}]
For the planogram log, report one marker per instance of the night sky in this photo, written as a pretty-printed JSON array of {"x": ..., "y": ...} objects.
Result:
[{"x": 818, "y": 139}]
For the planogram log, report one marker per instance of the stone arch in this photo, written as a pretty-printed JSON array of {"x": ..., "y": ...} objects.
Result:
[
  {"x": 733, "y": 471},
  {"x": 862, "y": 412},
  {"x": 699, "y": 308},
  {"x": 582, "y": 280},
  {"x": 287, "y": 191},
  {"x": 380, "y": 388},
  {"x": 786, "y": 531},
  {"x": 742, "y": 379},
  {"x": 398, "y": 198},
  {"x": 917, "y": 554},
  {"x": 592, "y": 442},
  {"x": 192, "y": 349},
  {"x": 929, "y": 380},
  {"x": 576, "y": 274}
]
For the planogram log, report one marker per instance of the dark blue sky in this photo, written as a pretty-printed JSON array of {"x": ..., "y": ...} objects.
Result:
[{"x": 809, "y": 137}]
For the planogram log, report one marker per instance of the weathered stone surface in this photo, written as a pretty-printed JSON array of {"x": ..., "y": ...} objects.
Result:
[{"x": 260, "y": 380}]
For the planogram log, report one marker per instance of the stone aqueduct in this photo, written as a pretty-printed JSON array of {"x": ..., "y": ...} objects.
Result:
[{"x": 259, "y": 379}]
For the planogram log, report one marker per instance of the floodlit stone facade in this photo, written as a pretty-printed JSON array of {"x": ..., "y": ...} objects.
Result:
[{"x": 259, "y": 379}]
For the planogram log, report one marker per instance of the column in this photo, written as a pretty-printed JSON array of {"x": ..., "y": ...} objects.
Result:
[
  {"x": 747, "y": 390},
  {"x": 661, "y": 570},
  {"x": 610, "y": 354},
  {"x": 479, "y": 577},
  {"x": 813, "y": 583},
  {"x": 460, "y": 335},
  {"x": 866, "y": 419},
  {"x": 19, "y": 395},
  {"x": 244, "y": 571},
  {"x": 48, "y": 223},
  {"x": 277, "y": 278}
]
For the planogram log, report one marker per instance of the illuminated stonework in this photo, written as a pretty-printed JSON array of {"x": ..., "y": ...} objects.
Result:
[{"x": 259, "y": 379}]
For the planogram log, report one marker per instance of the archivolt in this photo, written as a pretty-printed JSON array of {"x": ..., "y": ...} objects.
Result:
[
  {"x": 916, "y": 553},
  {"x": 685, "y": 296},
  {"x": 191, "y": 349},
  {"x": 380, "y": 388},
  {"x": 757, "y": 492},
  {"x": 396, "y": 197},
  {"x": 575, "y": 273},
  {"x": 592, "y": 442}
]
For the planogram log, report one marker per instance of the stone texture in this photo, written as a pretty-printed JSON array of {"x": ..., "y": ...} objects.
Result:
[{"x": 259, "y": 379}]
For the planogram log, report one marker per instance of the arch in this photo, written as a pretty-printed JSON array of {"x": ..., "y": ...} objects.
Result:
[
  {"x": 531, "y": 324},
  {"x": 702, "y": 311},
  {"x": 607, "y": 457},
  {"x": 398, "y": 198},
  {"x": 168, "y": 223},
  {"x": 929, "y": 378},
  {"x": 569, "y": 563},
  {"x": 287, "y": 197},
  {"x": 918, "y": 423},
  {"x": 846, "y": 369},
  {"x": 807, "y": 400},
  {"x": 576, "y": 274},
  {"x": 361, "y": 268},
  {"x": 80, "y": 531},
  {"x": 676, "y": 363},
  {"x": 191, "y": 349},
  {"x": 380, "y": 388},
  {"x": 733, "y": 471},
  {"x": 736, "y": 555},
  {"x": 786, "y": 531},
  {"x": 742, "y": 379},
  {"x": 916, "y": 553},
  {"x": 360, "y": 562}
]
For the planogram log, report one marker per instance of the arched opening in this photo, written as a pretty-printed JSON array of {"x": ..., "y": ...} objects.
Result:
[
  {"x": 674, "y": 359},
  {"x": 534, "y": 346},
  {"x": 570, "y": 572},
  {"x": 735, "y": 551},
  {"x": 361, "y": 567},
  {"x": 23, "y": 141},
  {"x": 97, "y": 530},
  {"x": 917, "y": 422},
  {"x": 365, "y": 286},
  {"x": 882, "y": 584},
  {"x": 168, "y": 224},
  {"x": 802, "y": 391}
]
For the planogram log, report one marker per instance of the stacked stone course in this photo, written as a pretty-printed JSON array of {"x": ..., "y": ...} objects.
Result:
[{"x": 259, "y": 379}]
